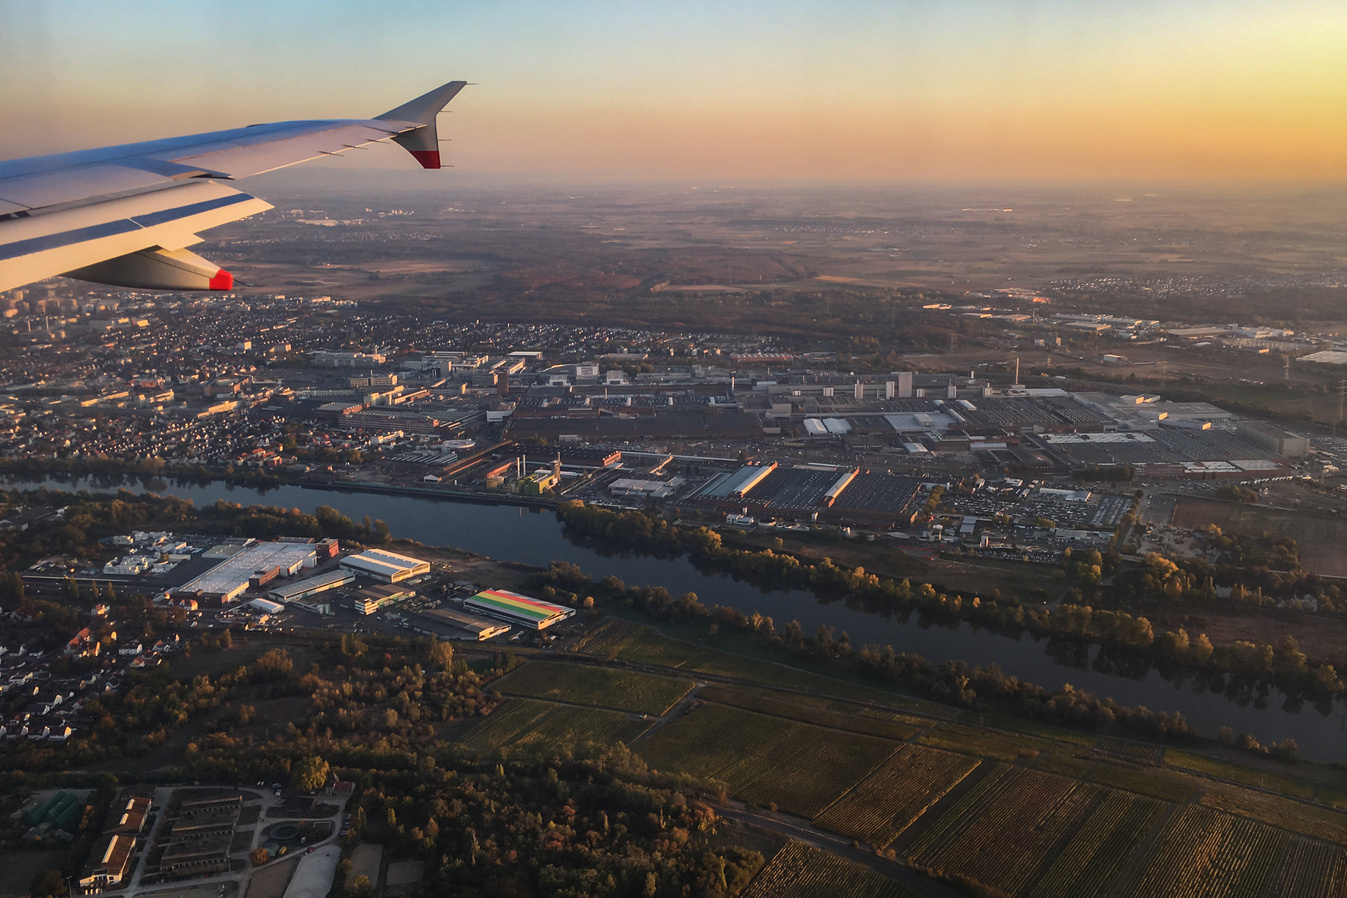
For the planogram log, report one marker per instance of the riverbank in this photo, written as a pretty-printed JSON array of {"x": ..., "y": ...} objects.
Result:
[{"x": 531, "y": 536}]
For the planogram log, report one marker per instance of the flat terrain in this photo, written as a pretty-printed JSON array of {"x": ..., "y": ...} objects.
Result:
[
  {"x": 1043, "y": 812},
  {"x": 1321, "y": 537},
  {"x": 595, "y": 686},
  {"x": 271, "y": 880}
]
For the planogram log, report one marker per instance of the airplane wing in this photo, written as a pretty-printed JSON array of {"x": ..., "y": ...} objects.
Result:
[{"x": 125, "y": 215}]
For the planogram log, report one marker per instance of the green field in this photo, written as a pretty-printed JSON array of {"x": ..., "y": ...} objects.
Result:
[
  {"x": 507, "y": 724},
  {"x": 579, "y": 726},
  {"x": 818, "y": 711},
  {"x": 802, "y": 871},
  {"x": 597, "y": 686},
  {"x": 766, "y": 760},
  {"x": 524, "y": 723},
  {"x": 1163, "y": 784},
  {"x": 992, "y": 743},
  {"x": 730, "y": 654}
]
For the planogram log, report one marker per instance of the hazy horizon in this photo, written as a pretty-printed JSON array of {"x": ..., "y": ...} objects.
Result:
[{"x": 861, "y": 91}]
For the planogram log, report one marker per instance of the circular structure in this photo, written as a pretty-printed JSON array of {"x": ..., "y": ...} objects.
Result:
[{"x": 286, "y": 832}]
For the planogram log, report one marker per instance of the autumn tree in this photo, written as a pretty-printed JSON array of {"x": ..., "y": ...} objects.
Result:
[{"x": 309, "y": 774}]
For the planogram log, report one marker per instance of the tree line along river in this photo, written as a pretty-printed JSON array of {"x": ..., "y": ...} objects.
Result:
[{"x": 535, "y": 537}]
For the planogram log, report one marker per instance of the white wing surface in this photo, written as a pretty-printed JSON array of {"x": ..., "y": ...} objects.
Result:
[{"x": 124, "y": 215}]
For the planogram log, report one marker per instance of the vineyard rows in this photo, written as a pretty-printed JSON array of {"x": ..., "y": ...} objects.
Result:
[
  {"x": 607, "y": 637},
  {"x": 574, "y": 727},
  {"x": 507, "y": 723},
  {"x": 1003, "y": 830},
  {"x": 802, "y": 871},
  {"x": 1319, "y": 823},
  {"x": 1204, "y": 853},
  {"x": 886, "y": 802},
  {"x": 1311, "y": 868},
  {"x": 800, "y": 768},
  {"x": 1088, "y": 864},
  {"x": 1128, "y": 751}
]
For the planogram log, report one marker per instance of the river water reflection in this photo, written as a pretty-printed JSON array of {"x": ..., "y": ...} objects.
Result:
[{"x": 528, "y": 536}]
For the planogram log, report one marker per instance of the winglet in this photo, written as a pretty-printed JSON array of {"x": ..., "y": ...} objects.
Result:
[{"x": 423, "y": 142}]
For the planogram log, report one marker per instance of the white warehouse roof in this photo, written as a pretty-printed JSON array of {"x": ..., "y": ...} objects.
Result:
[{"x": 387, "y": 565}]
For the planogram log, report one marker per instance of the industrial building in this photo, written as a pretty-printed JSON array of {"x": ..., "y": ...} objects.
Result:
[
  {"x": 456, "y": 624},
  {"x": 240, "y": 562},
  {"x": 264, "y": 607},
  {"x": 200, "y": 838},
  {"x": 387, "y": 566},
  {"x": 110, "y": 862},
  {"x": 311, "y": 586},
  {"x": 373, "y": 598},
  {"x": 1274, "y": 439},
  {"x": 108, "y": 865},
  {"x": 533, "y": 614}
]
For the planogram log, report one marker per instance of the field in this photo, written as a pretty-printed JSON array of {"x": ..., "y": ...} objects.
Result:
[
  {"x": 1000, "y": 832},
  {"x": 766, "y": 760},
  {"x": 1183, "y": 760},
  {"x": 1320, "y": 537},
  {"x": 597, "y": 686},
  {"x": 1123, "y": 750},
  {"x": 887, "y": 801},
  {"x": 817, "y": 711},
  {"x": 802, "y": 871},
  {"x": 520, "y": 723},
  {"x": 1162, "y": 784},
  {"x": 1206, "y": 852},
  {"x": 1036, "y": 813},
  {"x": 991, "y": 743},
  {"x": 1092, "y": 859},
  {"x": 1309, "y": 821},
  {"x": 731, "y": 655}
]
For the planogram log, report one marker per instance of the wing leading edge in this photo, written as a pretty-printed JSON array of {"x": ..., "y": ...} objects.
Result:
[{"x": 123, "y": 215}]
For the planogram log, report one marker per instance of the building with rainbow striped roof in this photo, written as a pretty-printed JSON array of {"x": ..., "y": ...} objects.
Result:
[{"x": 522, "y": 611}]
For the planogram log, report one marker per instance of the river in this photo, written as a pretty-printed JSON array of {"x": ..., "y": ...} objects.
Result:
[{"x": 528, "y": 536}]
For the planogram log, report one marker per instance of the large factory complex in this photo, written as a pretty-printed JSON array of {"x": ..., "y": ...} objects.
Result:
[{"x": 257, "y": 580}]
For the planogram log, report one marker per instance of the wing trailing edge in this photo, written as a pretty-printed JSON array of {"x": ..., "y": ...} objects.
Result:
[{"x": 74, "y": 241}]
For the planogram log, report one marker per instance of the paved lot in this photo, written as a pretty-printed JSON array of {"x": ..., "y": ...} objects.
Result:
[{"x": 313, "y": 877}]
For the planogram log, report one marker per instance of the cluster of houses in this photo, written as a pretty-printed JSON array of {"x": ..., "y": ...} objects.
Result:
[{"x": 54, "y": 702}]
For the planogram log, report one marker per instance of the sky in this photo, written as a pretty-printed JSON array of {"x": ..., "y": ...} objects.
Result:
[{"x": 835, "y": 90}]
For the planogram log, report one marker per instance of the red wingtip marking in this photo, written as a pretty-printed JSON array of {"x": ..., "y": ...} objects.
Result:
[
  {"x": 427, "y": 158},
  {"x": 223, "y": 280}
]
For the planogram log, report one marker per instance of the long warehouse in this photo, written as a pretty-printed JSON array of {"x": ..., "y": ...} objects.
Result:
[
  {"x": 523, "y": 611},
  {"x": 384, "y": 565}
]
